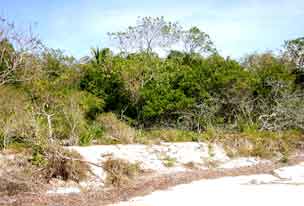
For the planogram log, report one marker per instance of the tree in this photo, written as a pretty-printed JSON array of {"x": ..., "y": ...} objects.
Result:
[
  {"x": 100, "y": 56},
  {"x": 55, "y": 63},
  {"x": 103, "y": 79},
  {"x": 196, "y": 41},
  {"x": 148, "y": 35},
  {"x": 295, "y": 50},
  {"x": 15, "y": 47}
]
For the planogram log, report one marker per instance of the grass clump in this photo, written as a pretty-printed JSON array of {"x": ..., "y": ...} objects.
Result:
[
  {"x": 169, "y": 161},
  {"x": 171, "y": 135},
  {"x": 93, "y": 134},
  {"x": 115, "y": 130},
  {"x": 31, "y": 169},
  {"x": 120, "y": 172},
  {"x": 210, "y": 163},
  {"x": 264, "y": 144}
]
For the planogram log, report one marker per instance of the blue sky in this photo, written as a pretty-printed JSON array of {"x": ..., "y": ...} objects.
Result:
[{"x": 237, "y": 27}]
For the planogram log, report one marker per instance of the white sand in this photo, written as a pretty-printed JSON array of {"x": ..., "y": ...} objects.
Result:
[
  {"x": 292, "y": 174},
  {"x": 64, "y": 190},
  {"x": 237, "y": 191},
  {"x": 244, "y": 190},
  {"x": 153, "y": 157}
]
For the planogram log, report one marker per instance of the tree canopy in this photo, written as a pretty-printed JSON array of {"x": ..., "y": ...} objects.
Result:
[{"x": 191, "y": 88}]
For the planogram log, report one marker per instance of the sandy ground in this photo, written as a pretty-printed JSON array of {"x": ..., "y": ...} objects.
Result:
[
  {"x": 261, "y": 184},
  {"x": 154, "y": 157},
  {"x": 285, "y": 187},
  {"x": 237, "y": 181}
]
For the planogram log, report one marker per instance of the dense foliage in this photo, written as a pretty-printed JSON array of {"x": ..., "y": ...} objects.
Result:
[{"x": 48, "y": 96}]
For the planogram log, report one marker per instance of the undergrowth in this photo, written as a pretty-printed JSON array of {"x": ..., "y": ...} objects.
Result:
[
  {"x": 65, "y": 165},
  {"x": 120, "y": 172},
  {"x": 30, "y": 169},
  {"x": 262, "y": 144}
]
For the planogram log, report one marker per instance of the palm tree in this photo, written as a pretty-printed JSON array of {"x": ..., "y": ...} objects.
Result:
[{"x": 100, "y": 55}]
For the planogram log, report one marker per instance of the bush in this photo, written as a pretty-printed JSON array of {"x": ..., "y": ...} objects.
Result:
[
  {"x": 264, "y": 144},
  {"x": 65, "y": 165},
  {"x": 120, "y": 172},
  {"x": 286, "y": 114},
  {"x": 105, "y": 83},
  {"x": 94, "y": 134},
  {"x": 29, "y": 172},
  {"x": 15, "y": 116},
  {"x": 171, "y": 135},
  {"x": 161, "y": 100},
  {"x": 116, "y": 130}
]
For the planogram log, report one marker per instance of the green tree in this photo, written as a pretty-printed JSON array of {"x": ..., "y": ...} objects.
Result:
[
  {"x": 294, "y": 49},
  {"x": 196, "y": 41},
  {"x": 103, "y": 79}
]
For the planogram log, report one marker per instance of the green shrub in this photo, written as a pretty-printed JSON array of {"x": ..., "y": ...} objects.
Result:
[
  {"x": 2, "y": 141},
  {"x": 172, "y": 135},
  {"x": 15, "y": 116},
  {"x": 105, "y": 83},
  {"x": 94, "y": 133},
  {"x": 91, "y": 104},
  {"x": 38, "y": 157}
]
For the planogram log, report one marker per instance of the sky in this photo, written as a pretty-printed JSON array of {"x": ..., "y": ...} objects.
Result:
[{"x": 237, "y": 27}]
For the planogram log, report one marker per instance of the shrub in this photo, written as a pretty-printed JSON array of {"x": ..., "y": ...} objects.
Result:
[
  {"x": 171, "y": 135},
  {"x": 288, "y": 113},
  {"x": 91, "y": 104},
  {"x": 103, "y": 81},
  {"x": 263, "y": 144},
  {"x": 15, "y": 116},
  {"x": 29, "y": 172},
  {"x": 66, "y": 165},
  {"x": 120, "y": 172},
  {"x": 162, "y": 100},
  {"x": 94, "y": 133},
  {"x": 116, "y": 130}
]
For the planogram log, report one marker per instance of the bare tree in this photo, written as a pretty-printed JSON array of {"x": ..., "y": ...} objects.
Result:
[
  {"x": 15, "y": 47},
  {"x": 49, "y": 117},
  {"x": 295, "y": 51},
  {"x": 287, "y": 112},
  {"x": 199, "y": 117},
  {"x": 73, "y": 114},
  {"x": 148, "y": 35}
]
